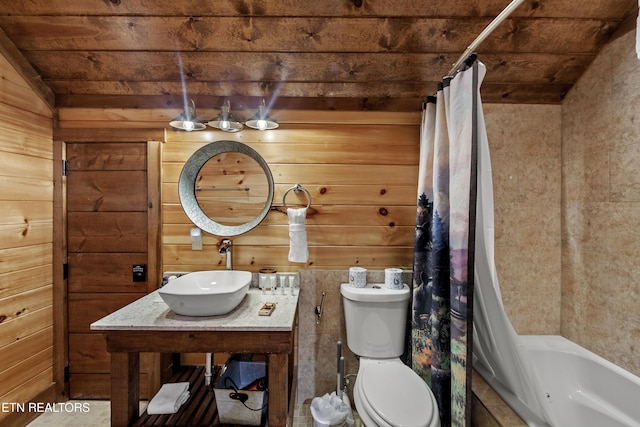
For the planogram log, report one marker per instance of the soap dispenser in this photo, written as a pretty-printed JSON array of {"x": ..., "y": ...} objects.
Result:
[{"x": 196, "y": 239}]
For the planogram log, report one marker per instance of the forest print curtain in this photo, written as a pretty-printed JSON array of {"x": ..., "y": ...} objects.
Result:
[{"x": 444, "y": 244}]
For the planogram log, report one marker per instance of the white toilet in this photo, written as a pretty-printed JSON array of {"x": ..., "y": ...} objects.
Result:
[{"x": 387, "y": 393}]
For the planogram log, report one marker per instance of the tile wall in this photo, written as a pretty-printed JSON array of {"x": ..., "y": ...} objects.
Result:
[
  {"x": 601, "y": 207},
  {"x": 525, "y": 146},
  {"x": 317, "y": 354}
]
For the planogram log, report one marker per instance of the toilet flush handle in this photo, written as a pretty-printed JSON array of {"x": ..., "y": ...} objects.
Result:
[{"x": 319, "y": 309}]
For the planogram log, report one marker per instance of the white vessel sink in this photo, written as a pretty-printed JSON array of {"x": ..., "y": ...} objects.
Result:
[{"x": 206, "y": 293}]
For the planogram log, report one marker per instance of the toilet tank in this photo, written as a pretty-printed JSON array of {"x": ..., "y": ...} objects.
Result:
[{"x": 375, "y": 319}]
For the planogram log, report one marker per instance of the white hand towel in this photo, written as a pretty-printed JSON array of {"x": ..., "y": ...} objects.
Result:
[
  {"x": 298, "y": 250},
  {"x": 169, "y": 399}
]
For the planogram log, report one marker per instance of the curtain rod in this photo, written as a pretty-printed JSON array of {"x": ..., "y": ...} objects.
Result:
[{"x": 484, "y": 34}]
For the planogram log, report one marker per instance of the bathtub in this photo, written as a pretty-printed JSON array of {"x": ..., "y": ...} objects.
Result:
[{"x": 578, "y": 388}]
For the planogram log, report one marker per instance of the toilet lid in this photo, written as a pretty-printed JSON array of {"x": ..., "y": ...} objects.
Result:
[{"x": 397, "y": 394}]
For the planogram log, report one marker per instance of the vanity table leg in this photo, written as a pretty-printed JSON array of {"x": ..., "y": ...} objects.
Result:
[
  {"x": 125, "y": 388},
  {"x": 278, "y": 366}
]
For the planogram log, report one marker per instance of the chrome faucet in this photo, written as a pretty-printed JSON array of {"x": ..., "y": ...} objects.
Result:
[{"x": 225, "y": 248}]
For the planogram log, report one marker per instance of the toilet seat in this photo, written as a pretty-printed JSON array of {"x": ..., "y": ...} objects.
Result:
[{"x": 393, "y": 395}]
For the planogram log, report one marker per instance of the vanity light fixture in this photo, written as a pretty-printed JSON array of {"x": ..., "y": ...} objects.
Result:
[
  {"x": 188, "y": 120},
  {"x": 261, "y": 120},
  {"x": 225, "y": 120}
]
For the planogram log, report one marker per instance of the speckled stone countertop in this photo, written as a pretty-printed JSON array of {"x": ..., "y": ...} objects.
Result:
[{"x": 151, "y": 313}]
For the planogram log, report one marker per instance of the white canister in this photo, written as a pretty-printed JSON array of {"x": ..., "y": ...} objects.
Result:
[
  {"x": 393, "y": 278},
  {"x": 265, "y": 277},
  {"x": 358, "y": 277}
]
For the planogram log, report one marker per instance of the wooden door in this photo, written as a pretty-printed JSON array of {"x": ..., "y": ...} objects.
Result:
[{"x": 107, "y": 237}]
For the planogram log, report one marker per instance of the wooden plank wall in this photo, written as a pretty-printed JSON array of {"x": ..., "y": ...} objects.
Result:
[
  {"x": 359, "y": 166},
  {"x": 362, "y": 179},
  {"x": 26, "y": 242}
]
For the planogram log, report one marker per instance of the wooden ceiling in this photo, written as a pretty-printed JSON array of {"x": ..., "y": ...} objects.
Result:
[{"x": 320, "y": 54}]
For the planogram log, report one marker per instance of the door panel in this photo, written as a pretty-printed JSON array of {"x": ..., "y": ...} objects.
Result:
[
  {"x": 107, "y": 156},
  {"x": 107, "y": 191},
  {"x": 107, "y": 233},
  {"x": 104, "y": 272}
]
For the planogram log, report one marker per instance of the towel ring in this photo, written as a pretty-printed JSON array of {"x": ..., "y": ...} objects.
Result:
[{"x": 296, "y": 188}]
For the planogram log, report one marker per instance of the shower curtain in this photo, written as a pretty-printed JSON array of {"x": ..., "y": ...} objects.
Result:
[
  {"x": 457, "y": 306},
  {"x": 497, "y": 350},
  {"x": 444, "y": 244}
]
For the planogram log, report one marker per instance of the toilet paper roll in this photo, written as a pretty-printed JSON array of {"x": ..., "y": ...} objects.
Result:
[
  {"x": 393, "y": 278},
  {"x": 358, "y": 277}
]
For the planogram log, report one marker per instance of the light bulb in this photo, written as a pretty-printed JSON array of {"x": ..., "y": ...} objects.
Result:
[
  {"x": 262, "y": 124},
  {"x": 188, "y": 125},
  {"x": 224, "y": 125}
]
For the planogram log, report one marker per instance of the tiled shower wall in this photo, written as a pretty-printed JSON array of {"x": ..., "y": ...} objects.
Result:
[
  {"x": 525, "y": 147},
  {"x": 601, "y": 207}
]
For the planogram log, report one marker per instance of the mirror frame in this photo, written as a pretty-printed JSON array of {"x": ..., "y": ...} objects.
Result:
[{"x": 187, "y": 188}]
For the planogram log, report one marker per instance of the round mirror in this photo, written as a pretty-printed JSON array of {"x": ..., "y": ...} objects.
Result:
[{"x": 226, "y": 188}]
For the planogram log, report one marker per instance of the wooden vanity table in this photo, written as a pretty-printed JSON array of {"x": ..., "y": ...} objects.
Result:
[{"x": 147, "y": 325}]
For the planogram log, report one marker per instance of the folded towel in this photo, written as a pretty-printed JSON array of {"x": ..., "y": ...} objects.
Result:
[
  {"x": 169, "y": 399},
  {"x": 298, "y": 250}
]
